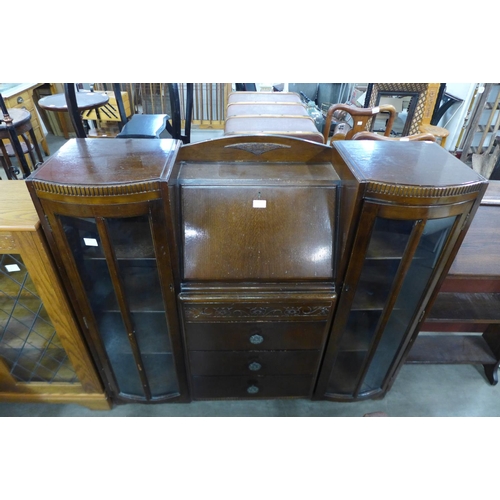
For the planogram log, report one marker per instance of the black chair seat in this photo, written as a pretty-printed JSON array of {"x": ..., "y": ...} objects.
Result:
[{"x": 144, "y": 127}]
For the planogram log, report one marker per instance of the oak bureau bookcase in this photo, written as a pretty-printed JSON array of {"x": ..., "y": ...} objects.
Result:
[{"x": 252, "y": 266}]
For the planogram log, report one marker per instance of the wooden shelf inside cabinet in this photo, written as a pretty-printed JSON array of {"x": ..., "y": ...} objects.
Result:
[
  {"x": 463, "y": 326},
  {"x": 43, "y": 357}
]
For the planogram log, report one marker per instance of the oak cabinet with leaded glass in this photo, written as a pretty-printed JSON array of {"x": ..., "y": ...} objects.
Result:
[
  {"x": 106, "y": 214},
  {"x": 405, "y": 208},
  {"x": 43, "y": 356}
]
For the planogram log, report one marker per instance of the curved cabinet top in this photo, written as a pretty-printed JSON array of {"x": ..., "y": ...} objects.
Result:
[
  {"x": 98, "y": 168},
  {"x": 422, "y": 171}
]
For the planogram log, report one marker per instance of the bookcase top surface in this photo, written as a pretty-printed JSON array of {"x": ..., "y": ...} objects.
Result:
[
  {"x": 100, "y": 161},
  {"x": 405, "y": 163}
]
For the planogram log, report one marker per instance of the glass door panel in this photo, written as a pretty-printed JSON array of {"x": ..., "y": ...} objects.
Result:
[
  {"x": 116, "y": 260},
  {"x": 425, "y": 258},
  {"x": 29, "y": 344},
  {"x": 138, "y": 271},
  {"x": 387, "y": 245}
]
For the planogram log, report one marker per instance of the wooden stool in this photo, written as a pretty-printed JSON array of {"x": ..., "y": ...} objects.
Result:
[{"x": 21, "y": 120}]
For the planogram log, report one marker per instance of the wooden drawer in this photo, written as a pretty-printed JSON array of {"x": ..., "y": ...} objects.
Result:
[
  {"x": 252, "y": 387},
  {"x": 255, "y": 336},
  {"x": 260, "y": 363}
]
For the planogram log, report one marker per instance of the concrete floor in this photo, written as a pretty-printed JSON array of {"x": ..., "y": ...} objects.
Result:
[{"x": 419, "y": 391}]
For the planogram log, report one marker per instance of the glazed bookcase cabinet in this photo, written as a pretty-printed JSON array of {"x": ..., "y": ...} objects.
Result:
[
  {"x": 406, "y": 208},
  {"x": 107, "y": 219},
  {"x": 43, "y": 357},
  {"x": 252, "y": 266}
]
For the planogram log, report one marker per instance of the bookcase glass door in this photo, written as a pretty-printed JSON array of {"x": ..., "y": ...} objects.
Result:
[
  {"x": 29, "y": 345},
  {"x": 399, "y": 261},
  {"x": 116, "y": 261}
]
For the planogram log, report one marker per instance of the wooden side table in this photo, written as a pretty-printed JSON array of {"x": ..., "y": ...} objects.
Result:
[{"x": 84, "y": 101}]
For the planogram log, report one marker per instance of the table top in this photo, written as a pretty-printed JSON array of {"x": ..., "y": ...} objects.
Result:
[
  {"x": 84, "y": 100},
  {"x": 17, "y": 212},
  {"x": 19, "y": 117},
  {"x": 480, "y": 251}
]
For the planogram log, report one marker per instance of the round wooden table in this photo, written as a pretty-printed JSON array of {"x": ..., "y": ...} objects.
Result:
[{"x": 84, "y": 101}]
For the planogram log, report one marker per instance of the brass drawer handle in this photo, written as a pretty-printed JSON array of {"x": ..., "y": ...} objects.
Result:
[
  {"x": 254, "y": 366},
  {"x": 253, "y": 389},
  {"x": 256, "y": 339}
]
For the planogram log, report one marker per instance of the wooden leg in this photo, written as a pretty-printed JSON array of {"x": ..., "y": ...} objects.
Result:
[
  {"x": 491, "y": 372},
  {"x": 29, "y": 148},
  {"x": 62, "y": 120},
  {"x": 492, "y": 337},
  {"x": 45, "y": 147},
  {"x": 7, "y": 164},
  {"x": 35, "y": 145}
]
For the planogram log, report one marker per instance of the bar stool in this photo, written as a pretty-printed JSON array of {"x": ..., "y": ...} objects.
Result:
[{"x": 21, "y": 120}]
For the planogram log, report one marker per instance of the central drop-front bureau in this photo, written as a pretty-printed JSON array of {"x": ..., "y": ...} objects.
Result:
[{"x": 258, "y": 265}]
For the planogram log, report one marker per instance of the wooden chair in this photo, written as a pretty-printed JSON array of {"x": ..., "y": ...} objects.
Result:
[
  {"x": 360, "y": 117},
  {"x": 371, "y": 136},
  {"x": 152, "y": 125},
  {"x": 138, "y": 126}
]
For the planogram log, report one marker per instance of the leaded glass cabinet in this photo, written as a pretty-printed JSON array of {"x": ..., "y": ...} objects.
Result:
[
  {"x": 405, "y": 209},
  {"x": 43, "y": 356},
  {"x": 106, "y": 213}
]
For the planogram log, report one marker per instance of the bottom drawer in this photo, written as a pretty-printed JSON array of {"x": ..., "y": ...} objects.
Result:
[{"x": 252, "y": 387}]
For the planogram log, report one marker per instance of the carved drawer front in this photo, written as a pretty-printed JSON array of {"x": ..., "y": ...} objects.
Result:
[
  {"x": 255, "y": 336},
  {"x": 252, "y": 387},
  {"x": 259, "y": 363}
]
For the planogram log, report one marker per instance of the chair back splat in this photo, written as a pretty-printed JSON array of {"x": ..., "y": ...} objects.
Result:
[{"x": 360, "y": 118}]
